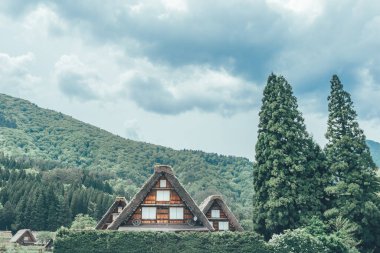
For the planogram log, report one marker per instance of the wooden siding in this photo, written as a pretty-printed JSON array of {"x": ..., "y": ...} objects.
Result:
[
  {"x": 163, "y": 207},
  {"x": 223, "y": 217}
]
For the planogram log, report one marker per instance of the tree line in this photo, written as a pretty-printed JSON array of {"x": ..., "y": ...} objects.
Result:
[
  {"x": 297, "y": 184},
  {"x": 31, "y": 200}
]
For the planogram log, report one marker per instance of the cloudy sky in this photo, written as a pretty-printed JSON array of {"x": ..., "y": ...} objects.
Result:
[{"x": 189, "y": 73}]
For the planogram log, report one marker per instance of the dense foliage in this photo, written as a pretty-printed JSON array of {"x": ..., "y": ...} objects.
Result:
[
  {"x": 41, "y": 134},
  {"x": 29, "y": 199},
  {"x": 113, "y": 241},
  {"x": 289, "y": 173},
  {"x": 292, "y": 241},
  {"x": 354, "y": 182},
  {"x": 83, "y": 222}
]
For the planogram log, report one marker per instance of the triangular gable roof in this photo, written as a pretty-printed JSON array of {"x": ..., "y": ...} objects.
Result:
[
  {"x": 21, "y": 233},
  {"x": 109, "y": 211},
  {"x": 160, "y": 170},
  {"x": 207, "y": 203}
]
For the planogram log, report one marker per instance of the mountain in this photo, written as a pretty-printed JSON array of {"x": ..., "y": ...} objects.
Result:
[
  {"x": 375, "y": 151},
  {"x": 30, "y": 132}
]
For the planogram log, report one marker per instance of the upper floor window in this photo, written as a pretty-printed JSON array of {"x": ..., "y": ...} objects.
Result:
[
  {"x": 163, "y": 183},
  {"x": 215, "y": 213},
  {"x": 163, "y": 196}
]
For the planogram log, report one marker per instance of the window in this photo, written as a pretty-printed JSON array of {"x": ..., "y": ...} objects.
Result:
[
  {"x": 211, "y": 223},
  {"x": 176, "y": 213},
  {"x": 223, "y": 225},
  {"x": 163, "y": 183},
  {"x": 163, "y": 196},
  {"x": 119, "y": 209},
  {"x": 148, "y": 213},
  {"x": 215, "y": 213},
  {"x": 114, "y": 216}
]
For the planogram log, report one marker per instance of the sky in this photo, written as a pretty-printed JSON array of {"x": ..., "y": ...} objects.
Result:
[{"x": 190, "y": 74}]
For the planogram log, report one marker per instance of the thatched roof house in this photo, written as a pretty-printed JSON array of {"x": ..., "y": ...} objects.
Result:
[
  {"x": 24, "y": 237},
  {"x": 219, "y": 214},
  {"x": 112, "y": 213},
  {"x": 162, "y": 204}
]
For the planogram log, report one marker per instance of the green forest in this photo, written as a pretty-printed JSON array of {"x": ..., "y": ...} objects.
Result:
[
  {"x": 44, "y": 140},
  {"x": 52, "y": 165}
]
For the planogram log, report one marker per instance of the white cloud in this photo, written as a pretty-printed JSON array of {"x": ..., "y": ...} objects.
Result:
[
  {"x": 76, "y": 80},
  {"x": 45, "y": 21},
  {"x": 367, "y": 93},
  {"x": 15, "y": 76},
  {"x": 305, "y": 10},
  {"x": 173, "y": 91}
]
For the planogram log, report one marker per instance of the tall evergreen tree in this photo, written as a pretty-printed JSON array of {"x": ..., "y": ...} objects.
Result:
[
  {"x": 354, "y": 183},
  {"x": 289, "y": 172}
]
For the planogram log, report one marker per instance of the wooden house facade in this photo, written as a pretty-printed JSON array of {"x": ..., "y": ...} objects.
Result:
[
  {"x": 112, "y": 213},
  {"x": 24, "y": 237},
  {"x": 162, "y": 204},
  {"x": 219, "y": 214}
]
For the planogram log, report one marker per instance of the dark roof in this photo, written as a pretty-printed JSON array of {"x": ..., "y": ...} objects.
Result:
[
  {"x": 103, "y": 220},
  {"x": 21, "y": 233},
  {"x": 207, "y": 203},
  {"x": 161, "y": 170}
]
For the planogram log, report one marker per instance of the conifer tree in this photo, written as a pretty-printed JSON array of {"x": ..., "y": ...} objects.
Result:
[
  {"x": 355, "y": 185},
  {"x": 289, "y": 172}
]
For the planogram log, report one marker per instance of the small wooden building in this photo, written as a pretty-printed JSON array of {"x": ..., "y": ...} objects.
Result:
[
  {"x": 219, "y": 214},
  {"x": 112, "y": 213},
  {"x": 162, "y": 204},
  {"x": 24, "y": 237}
]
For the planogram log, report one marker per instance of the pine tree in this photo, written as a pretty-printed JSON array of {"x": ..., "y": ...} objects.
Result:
[
  {"x": 354, "y": 186},
  {"x": 289, "y": 172}
]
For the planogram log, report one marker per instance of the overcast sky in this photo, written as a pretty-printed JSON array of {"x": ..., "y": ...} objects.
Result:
[{"x": 190, "y": 74}]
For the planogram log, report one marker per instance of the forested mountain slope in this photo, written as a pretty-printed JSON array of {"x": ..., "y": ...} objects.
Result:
[
  {"x": 375, "y": 151},
  {"x": 30, "y": 132}
]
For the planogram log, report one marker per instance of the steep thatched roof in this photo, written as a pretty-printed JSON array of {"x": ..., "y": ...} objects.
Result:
[
  {"x": 105, "y": 217},
  {"x": 21, "y": 233},
  {"x": 160, "y": 170},
  {"x": 208, "y": 202}
]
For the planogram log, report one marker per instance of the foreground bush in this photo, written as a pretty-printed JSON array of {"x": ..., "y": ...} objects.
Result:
[
  {"x": 301, "y": 241},
  {"x": 186, "y": 242}
]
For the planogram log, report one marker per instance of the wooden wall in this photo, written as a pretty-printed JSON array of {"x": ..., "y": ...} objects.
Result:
[
  {"x": 162, "y": 214},
  {"x": 223, "y": 217}
]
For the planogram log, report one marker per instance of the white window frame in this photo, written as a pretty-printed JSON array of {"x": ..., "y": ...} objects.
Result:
[
  {"x": 163, "y": 183},
  {"x": 176, "y": 213},
  {"x": 148, "y": 213},
  {"x": 119, "y": 209},
  {"x": 215, "y": 213},
  {"x": 222, "y": 225},
  {"x": 163, "y": 195}
]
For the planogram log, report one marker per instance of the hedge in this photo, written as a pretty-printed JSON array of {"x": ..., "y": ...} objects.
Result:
[{"x": 94, "y": 241}]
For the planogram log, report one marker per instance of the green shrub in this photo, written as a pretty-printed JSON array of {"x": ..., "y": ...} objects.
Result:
[
  {"x": 297, "y": 241},
  {"x": 161, "y": 242}
]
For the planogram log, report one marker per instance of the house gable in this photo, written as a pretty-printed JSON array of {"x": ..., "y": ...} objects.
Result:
[
  {"x": 112, "y": 213},
  {"x": 24, "y": 237},
  {"x": 162, "y": 204},
  {"x": 218, "y": 214}
]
